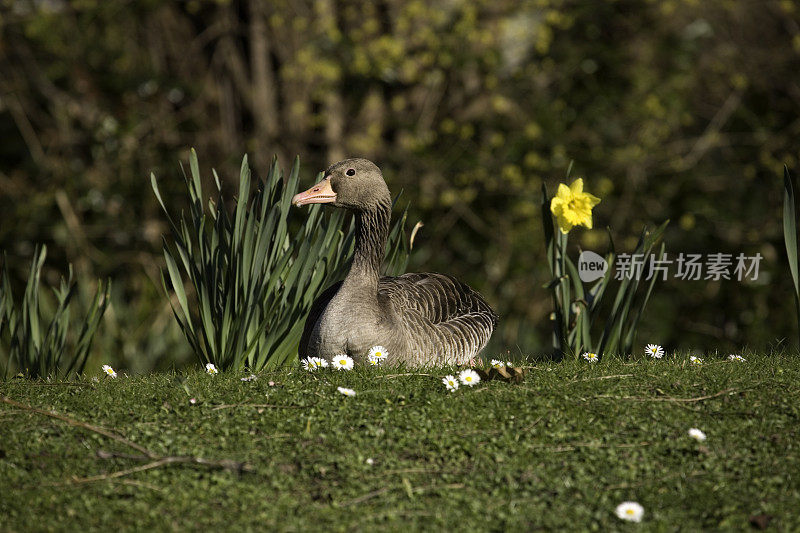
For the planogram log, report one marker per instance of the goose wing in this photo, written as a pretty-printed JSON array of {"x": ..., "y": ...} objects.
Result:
[{"x": 455, "y": 318}]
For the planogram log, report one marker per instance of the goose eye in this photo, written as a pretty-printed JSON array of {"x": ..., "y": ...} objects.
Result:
[{"x": 351, "y": 172}]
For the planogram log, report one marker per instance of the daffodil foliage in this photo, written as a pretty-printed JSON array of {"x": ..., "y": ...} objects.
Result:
[
  {"x": 36, "y": 343},
  {"x": 580, "y": 323},
  {"x": 252, "y": 279}
]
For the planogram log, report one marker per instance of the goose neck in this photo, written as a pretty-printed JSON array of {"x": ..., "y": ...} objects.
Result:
[{"x": 371, "y": 231}]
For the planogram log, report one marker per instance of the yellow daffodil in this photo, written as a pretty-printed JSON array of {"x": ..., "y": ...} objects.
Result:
[{"x": 573, "y": 207}]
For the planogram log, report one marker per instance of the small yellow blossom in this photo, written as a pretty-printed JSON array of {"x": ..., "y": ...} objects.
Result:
[{"x": 573, "y": 207}]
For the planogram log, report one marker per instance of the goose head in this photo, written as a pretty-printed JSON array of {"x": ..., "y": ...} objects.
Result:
[{"x": 355, "y": 184}]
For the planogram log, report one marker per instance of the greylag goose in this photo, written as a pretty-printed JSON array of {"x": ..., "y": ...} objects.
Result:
[{"x": 419, "y": 319}]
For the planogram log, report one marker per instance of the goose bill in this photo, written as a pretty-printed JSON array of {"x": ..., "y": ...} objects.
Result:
[{"x": 321, "y": 193}]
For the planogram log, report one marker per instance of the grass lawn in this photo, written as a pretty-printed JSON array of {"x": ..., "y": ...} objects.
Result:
[{"x": 556, "y": 452}]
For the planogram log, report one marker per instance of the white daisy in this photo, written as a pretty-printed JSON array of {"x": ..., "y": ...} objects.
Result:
[
  {"x": 496, "y": 363},
  {"x": 211, "y": 369},
  {"x": 342, "y": 362},
  {"x": 346, "y": 391},
  {"x": 739, "y": 358},
  {"x": 109, "y": 371},
  {"x": 314, "y": 363},
  {"x": 376, "y": 355},
  {"x": 697, "y": 434},
  {"x": 695, "y": 360},
  {"x": 590, "y": 356},
  {"x": 251, "y": 377},
  {"x": 450, "y": 382},
  {"x": 469, "y": 377},
  {"x": 508, "y": 364},
  {"x": 655, "y": 351},
  {"x": 370, "y": 461},
  {"x": 630, "y": 511}
]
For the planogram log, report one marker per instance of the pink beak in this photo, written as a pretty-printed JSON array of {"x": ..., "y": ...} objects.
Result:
[{"x": 321, "y": 193}]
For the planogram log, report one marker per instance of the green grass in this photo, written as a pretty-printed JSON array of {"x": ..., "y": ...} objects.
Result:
[{"x": 557, "y": 452}]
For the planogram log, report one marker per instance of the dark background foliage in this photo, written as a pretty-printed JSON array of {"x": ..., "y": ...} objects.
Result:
[{"x": 670, "y": 109}]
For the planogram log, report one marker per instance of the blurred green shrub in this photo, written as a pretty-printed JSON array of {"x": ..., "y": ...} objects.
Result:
[
  {"x": 40, "y": 346},
  {"x": 252, "y": 282},
  {"x": 677, "y": 108}
]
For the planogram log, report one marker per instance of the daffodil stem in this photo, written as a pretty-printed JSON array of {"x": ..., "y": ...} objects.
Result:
[{"x": 564, "y": 286}]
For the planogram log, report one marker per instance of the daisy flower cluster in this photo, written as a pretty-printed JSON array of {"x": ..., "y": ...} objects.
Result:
[
  {"x": 657, "y": 352},
  {"x": 211, "y": 369},
  {"x": 467, "y": 377},
  {"x": 314, "y": 363},
  {"x": 497, "y": 363},
  {"x": 376, "y": 356}
]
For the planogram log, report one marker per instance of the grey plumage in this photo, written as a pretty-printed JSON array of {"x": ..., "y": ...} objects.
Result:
[{"x": 421, "y": 319}]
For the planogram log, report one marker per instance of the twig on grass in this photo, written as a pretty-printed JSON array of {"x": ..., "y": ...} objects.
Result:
[
  {"x": 222, "y": 464},
  {"x": 155, "y": 459},
  {"x": 571, "y": 447},
  {"x": 78, "y": 423},
  {"x": 102, "y": 477},
  {"x": 397, "y": 471},
  {"x": 414, "y": 490},
  {"x": 230, "y": 405},
  {"x": 388, "y": 376},
  {"x": 603, "y": 377},
  {"x": 60, "y": 384},
  {"x": 667, "y": 399},
  {"x": 365, "y": 497},
  {"x": 163, "y": 461}
]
